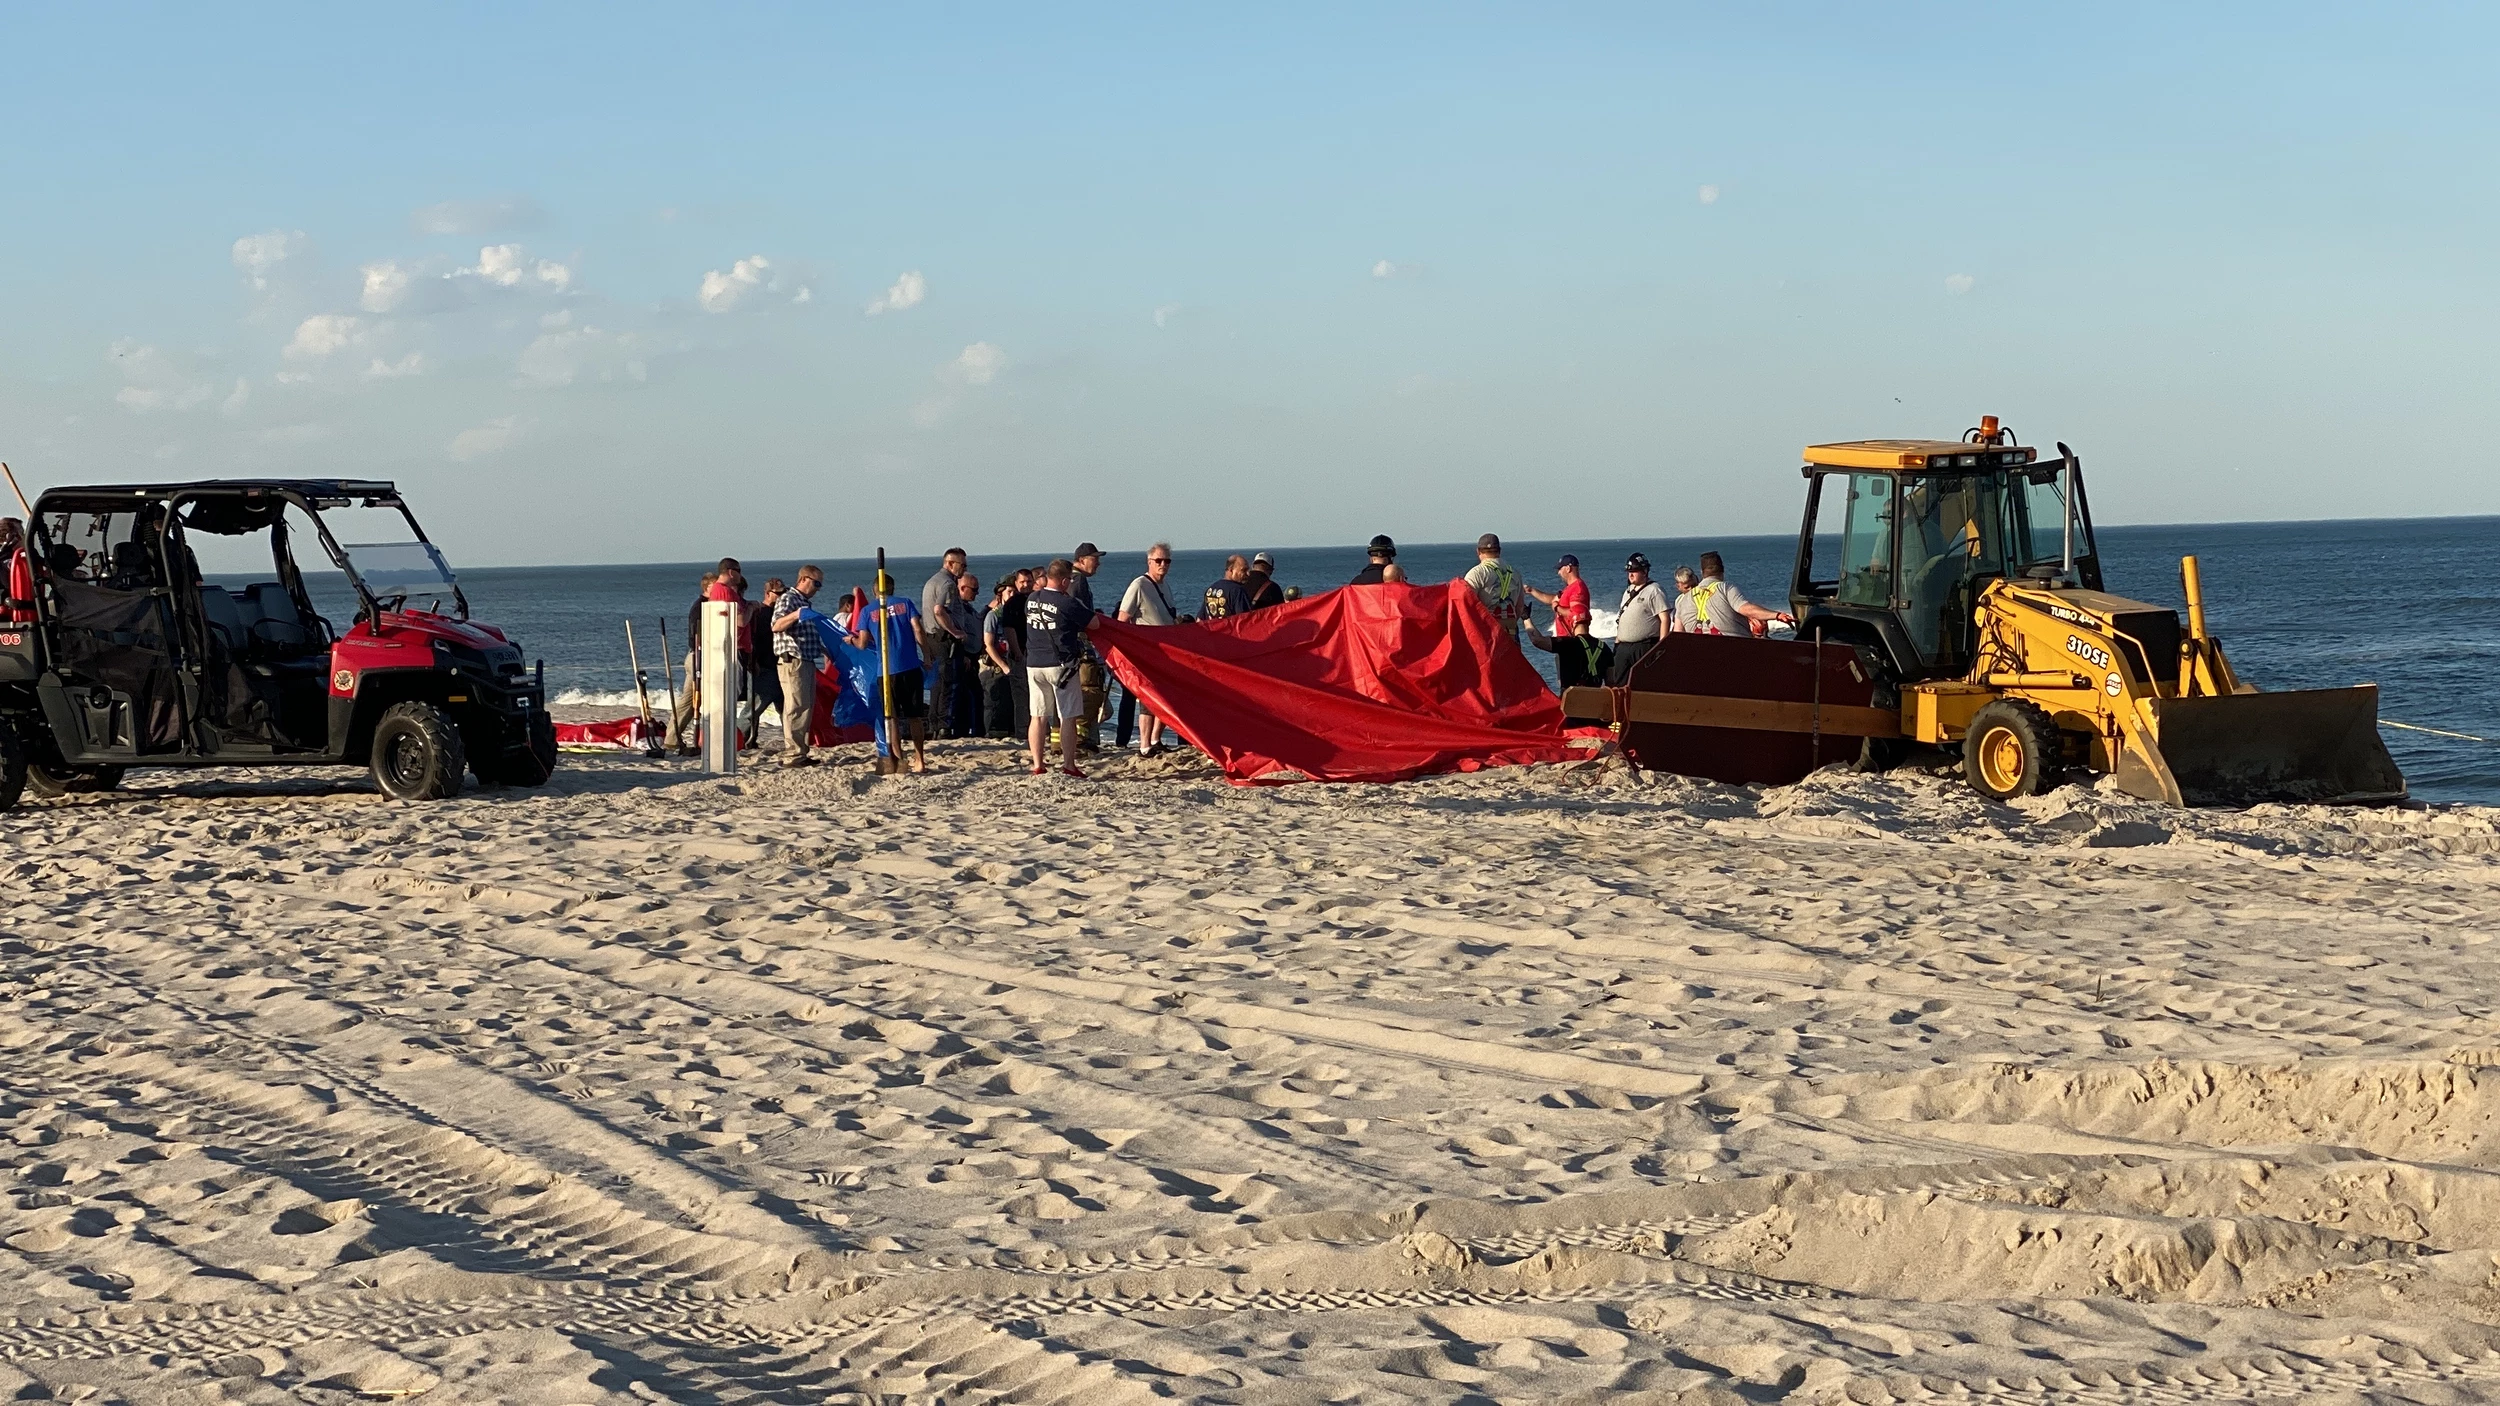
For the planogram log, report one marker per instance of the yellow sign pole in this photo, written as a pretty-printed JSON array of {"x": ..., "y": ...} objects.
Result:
[{"x": 893, "y": 758}]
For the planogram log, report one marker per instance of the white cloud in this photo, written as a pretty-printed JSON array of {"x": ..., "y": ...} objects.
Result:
[
  {"x": 153, "y": 380},
  {"x": 510, "y": 266},
  {"x": 477, "y": 216},
  {"x": 749, "y": 279},
  {"x": 413, "y": 364},
  {"x": 493, "y": 437},
  {"x": 566, "y": 355},
  {"x": 426, "y": 286},
  {"x": 1385, "y": 269},
  {"x": 260, "y": 256},
  {"x": 324, "y": 333},
  {"x": 907, "y": 292},
  {"x": 1959, "y": 283},
  {"x": 977, "y": 365},
  {"x": 387, "y": 282},
  {"x": 294, "y": 434},
  {"x": 1708, "y": 195},
  {"x": 234, "y": 402},
  {"x": 1165, "y": 314}
]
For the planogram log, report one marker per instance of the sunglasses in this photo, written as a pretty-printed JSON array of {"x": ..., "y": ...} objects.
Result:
[{"x": 1158, "y": 561}]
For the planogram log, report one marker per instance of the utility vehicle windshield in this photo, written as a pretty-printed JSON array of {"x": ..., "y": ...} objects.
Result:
[{"x": 390, "y": 559}]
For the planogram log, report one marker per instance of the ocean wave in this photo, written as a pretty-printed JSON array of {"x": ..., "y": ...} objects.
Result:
[{"x": 604, "y": 697}]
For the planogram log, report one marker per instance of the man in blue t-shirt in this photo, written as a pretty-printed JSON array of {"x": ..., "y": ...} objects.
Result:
[
  {"x": 1055, "y": 623},
  {"x": 902, "y": 666}
]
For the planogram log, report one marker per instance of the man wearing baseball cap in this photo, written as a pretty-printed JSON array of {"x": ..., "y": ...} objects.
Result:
[
  {"x": 1264, "y": 591},
  {"x": 1497, "y": 585},
  {"x": 1571, "y": 603},
  {"x": 1640, "y": 620},
  {"x": 1093, "y": 680}
]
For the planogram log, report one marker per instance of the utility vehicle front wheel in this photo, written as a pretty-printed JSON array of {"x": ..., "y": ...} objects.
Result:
[
  {"x": 417, "y": 754},
  {"x": 2012, "y": 749},
  {"x": 52, "y": 779}
]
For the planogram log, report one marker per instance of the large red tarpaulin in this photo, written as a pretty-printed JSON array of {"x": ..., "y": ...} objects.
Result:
[{"x": 1364, "y": 683}]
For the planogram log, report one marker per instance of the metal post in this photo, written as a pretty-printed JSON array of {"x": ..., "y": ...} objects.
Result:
[{"x": 720, "y": 687}]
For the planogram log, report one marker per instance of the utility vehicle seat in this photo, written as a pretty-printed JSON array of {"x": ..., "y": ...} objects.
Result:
[
  {"x": 225, "y": 617},
  {"x": 275, "y": 620}
]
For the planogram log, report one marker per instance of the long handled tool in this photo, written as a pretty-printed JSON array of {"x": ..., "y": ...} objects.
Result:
[
  {"x": 893, "y": 759},
  {"x": 668, "y": 674},
  {"x": 23, "y": 505},
  {"x": 642, "y": 693}
]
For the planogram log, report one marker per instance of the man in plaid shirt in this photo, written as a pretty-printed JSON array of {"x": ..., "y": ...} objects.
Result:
[{"x": 799, "y": 654}]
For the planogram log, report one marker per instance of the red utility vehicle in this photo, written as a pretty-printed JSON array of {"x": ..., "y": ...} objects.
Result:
[{"x": 127, "y": 655}]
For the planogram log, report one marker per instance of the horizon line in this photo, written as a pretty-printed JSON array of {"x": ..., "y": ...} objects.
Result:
[{"x": 1565, "y": 542}]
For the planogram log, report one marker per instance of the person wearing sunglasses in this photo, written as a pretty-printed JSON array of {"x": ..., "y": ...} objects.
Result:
[{"x": 1148, "y": 602}]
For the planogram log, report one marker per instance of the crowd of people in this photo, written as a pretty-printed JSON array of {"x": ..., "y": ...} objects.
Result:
[{"x": 1015, "y": 662}]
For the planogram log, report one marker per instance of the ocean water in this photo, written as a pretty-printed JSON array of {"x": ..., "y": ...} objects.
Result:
[{"x": 2413, "y": 606}]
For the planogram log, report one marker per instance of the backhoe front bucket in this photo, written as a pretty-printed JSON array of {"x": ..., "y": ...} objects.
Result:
[{"x": 2318, "y": 746}]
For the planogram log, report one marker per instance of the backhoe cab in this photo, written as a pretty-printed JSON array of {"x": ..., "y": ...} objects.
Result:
[{"x": 1960, "y": 604}]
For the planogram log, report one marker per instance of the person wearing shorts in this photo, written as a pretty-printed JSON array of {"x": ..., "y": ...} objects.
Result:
[
  {"x": 1054, "y": 641},
  {"x": 904, "y": 679}
]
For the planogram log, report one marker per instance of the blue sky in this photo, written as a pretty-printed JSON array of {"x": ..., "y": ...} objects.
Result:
[{"x": 596, "y": 281}]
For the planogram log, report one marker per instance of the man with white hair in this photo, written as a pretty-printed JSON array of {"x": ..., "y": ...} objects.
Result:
[{"x": 1148, "y": 602}]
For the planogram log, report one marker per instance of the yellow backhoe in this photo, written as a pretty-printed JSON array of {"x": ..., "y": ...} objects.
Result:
[{"x": 1960, "y": 604}]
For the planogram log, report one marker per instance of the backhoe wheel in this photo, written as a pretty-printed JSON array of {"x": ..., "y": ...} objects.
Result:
[
  {"x": 2012, "y": 749},
  {"x": 51, "y": 779},
  {"x": 417, "y": 754}
]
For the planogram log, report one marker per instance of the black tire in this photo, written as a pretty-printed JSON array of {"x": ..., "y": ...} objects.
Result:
[
  {"x": 50, "y": 780},
  {"x": 12, "y": 767},
  {"x": 523, "y": 768},
  {"x": 417, "y": 754},
  {"x": 2012, "y": 749}
]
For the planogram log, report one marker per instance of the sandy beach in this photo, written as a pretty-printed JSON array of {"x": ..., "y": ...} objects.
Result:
[{"x": 1547, "y": 1085}]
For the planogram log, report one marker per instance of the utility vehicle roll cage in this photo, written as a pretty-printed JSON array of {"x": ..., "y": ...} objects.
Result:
[{"x": 255, "y": 504}]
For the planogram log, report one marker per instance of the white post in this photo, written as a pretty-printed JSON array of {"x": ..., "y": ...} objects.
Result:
[{"x": 721, "y": 678}]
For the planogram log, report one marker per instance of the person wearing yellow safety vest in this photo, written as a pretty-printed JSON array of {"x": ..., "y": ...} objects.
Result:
[
  {"x": 1498, "y": 586},
  {"x": 1714, "y": 607}
]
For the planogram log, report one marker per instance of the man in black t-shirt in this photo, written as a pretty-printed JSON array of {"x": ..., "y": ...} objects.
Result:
[
  {"x": 1383, "y": 553},
  {"x": 1261, "y": 583},
  {"x": 1054, "y": 642}
]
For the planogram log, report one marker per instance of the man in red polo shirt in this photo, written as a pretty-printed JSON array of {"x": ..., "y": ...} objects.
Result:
[{"x": 1571, "y": 603}]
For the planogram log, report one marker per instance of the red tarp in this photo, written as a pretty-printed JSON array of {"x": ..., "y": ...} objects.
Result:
[
  {"x": 622, "y": 735},
  {"x": 1365, "y": 683}
]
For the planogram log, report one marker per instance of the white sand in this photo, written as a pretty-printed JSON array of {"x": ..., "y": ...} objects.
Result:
[{"x": 1556, "y": 1085}]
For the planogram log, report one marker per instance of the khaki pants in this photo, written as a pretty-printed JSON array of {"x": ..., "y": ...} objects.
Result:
[
  {"x": 681, "y": 723},
  {"x": 798, "y": 705},
  {"x": 1094, "y": 682}
]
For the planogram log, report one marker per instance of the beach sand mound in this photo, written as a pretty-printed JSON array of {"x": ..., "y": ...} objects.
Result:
[{"x": 1564, "y": 1084}]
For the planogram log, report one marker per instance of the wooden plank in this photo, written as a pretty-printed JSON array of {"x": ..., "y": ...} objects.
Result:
[{"x": 1744, "y": 714}]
